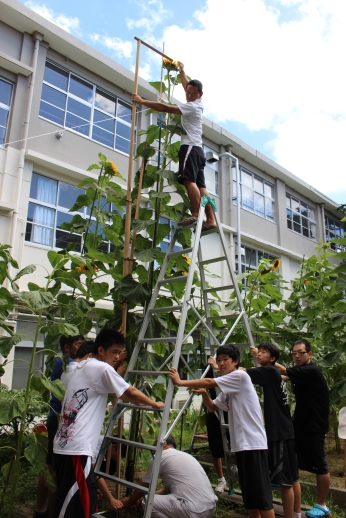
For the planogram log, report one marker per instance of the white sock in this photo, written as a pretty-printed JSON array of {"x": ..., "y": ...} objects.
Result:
[
  {"x": 222, "y": 479},
  {"x": 324, "y": 506},
  {"x": 297, "y": 515}
]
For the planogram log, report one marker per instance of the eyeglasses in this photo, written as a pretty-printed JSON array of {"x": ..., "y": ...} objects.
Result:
[{"x": 298, "y": 353}]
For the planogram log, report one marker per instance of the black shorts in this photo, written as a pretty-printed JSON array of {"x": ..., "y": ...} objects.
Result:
[
  {"x": 52, "y": 427},
  {"x": 282, "y": 462},
  {"x": 311, "y": 453},
  {"x": 191, "y": 165},
  {"x": 76, "y": 495},
  {"x": 215, "y": 435},
  {"x": 254, "y": 479}
]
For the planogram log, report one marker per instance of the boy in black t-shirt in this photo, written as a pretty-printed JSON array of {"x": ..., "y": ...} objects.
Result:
[
  {"x": 311, "y": 420},
  {"x": 279, "y": 427}
]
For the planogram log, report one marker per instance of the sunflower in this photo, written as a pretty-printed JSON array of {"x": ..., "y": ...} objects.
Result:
[
  {"x": 169, "y": 64},
  {"x": 276, "y": 265},
  {"x": 187, "y": 259},
  {"x": 114, "y": 168},
  {"x": 84, "y": 267},
  {"x": 306, "y": 283}
]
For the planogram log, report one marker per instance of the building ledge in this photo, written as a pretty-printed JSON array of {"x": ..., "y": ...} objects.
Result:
[
  {"x": 13, "y": 65},
  {"x": 7, "y": 206}
]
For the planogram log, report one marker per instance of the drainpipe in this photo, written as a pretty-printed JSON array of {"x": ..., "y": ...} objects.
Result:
[{"x": 37, "y": 37}]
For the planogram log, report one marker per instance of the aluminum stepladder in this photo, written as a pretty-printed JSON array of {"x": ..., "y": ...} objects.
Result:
[{"x": 176, "y": 343}]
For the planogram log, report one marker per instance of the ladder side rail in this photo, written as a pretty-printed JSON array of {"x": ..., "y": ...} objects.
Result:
[{"x": 235, "y": 283}]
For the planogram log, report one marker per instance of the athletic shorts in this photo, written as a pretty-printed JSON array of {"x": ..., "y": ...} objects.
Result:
[
  {"x": 170, "y": 506},
  {"x": 215, "y": 435},
  {"x": 191, "y": 165},
  {"x": 52, "y": 427},
  {"x": 254, "y": 479},
  {"x": 311, "y": 453},
  {"x": 76, "y": 495},
  {"x": 282, "y": 462}
]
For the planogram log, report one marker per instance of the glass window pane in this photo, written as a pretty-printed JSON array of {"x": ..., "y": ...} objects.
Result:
[
  {"x": 79, "y": 109},
  {"x": 306, "y": 232},
  {"x": 55, "y": 76},
  {"x": 43, "y": 189},
  {"x": 102, "y": 136},
  {"x": 104, "y": 121},
  {"x": 62, "y": 217},
  {"x": 211, "y": 187},
  {"x": 209, "y": 173},
  {"x": 62, "y": 239},
  {"x": 123, "y": 131},
  {"x": 68, "y": 195},
  {"x": 270, "y": 209},
  {"x": 40, "y": 215},
  {"x": 288, "y": 201},
  {"x": 311, "y": 213},
  {"x": 296, "y": 218},
  {"x": 304, "y": 209},
  {"x": 53, "y": 97},
  {"x": 247, "y": 198},
  {"x": 269, "y": 190},
  {"x": 124, "y": 112},
  {"x": 297, "y": 227},
  {"x": 105, "y": 102},
  {"x": 289, "y": 224},
  {"x": 305, "y": 222},
  {"x": 289, "y": 213},
  {"x": 77, "y": 124},
  {"x": 38, "y": 234},
  {"x": 312, "y": 231},
  {"x": 258, "y": 185},
  {"x": 295, "y": 205},
  {"x": 3, "y": 117},
  {"x": 122, "y": 145},
  {"x": 52, "y": 113},
  {"x": 81, "y": 88},
  {"x": 2, "y": 136},
  {"x": 259, "y": 204},
  {"x": 246, "y": 179},
  {"x": 5, "y": 92},
  {"x": 250, "y": 257}
]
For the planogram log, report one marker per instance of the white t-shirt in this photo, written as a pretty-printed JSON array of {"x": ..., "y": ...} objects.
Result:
[
  {"x": 191, "y": 120},
  {"x": 67, "y": 374},
  {"x": 84, "y": 406},
  {"x": 185, "y": 478},
  {"x": 238, "y": 397}
]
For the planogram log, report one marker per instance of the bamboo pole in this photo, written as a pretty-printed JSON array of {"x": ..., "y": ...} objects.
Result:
[
  {"x": 138, "y": 202},
  {"x": 153, "y": 48}
]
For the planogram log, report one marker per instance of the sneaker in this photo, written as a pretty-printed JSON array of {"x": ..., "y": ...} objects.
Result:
[
  {"x": 317, "y": 512},
  {"x": 221, "y": 486}
]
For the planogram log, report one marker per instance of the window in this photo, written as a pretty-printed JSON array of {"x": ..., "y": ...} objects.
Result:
[
  {"x": 74, "y": 103},
  {"x": 257, "y": 195},
  {"x": 300, "y": 217},
  {"x": 211, "y": 173},
  {"x": 6, "y": 90},
  {"x": 251, "y": 259},
  {"x": 166, "y": 240},
  {"x": 49, "y": 205},
  {"x": 333, "y": 230},
  {"x": 22, "y": 355}
]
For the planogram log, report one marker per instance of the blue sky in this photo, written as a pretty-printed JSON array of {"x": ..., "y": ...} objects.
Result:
[{"x": 271, "y": 68}]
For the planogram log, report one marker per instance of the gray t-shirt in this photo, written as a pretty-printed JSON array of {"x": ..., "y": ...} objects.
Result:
[
  {"x": 185, "y": 478},
  {"x": 191, "y": 120}
]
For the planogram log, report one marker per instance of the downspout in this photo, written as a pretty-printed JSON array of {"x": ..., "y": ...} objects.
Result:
[{"x": 37, "y": 37}]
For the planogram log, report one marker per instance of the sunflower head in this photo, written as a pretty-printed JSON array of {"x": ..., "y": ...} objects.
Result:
[
  {"x": 170, "y": 65},
  {"x": 111, "y": 168},
  {"x": 187, "y": 259},
  {"x": 276, "y": 265}
]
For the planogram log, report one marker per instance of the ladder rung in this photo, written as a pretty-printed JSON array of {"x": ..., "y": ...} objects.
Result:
[
  {"x": 201, "y": 437},
  {"x": 218, "y": 288},
  {"x": 166, "y": 309},
  {"x": 158, "y": 340},
  {"x": 180, "y": 278},
  {"x": 132, "y": 443},
  {"x": 215, "y": 260},
  {"x": 123, "y": 482},
  {"x": 139, "y": 407},
  {"x": 223, "y": 317},
  {"x": 180, "y": 252},
  {"x": 150, "y": 373}
]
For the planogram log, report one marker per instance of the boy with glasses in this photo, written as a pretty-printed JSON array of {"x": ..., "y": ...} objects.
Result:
[{"x": 311, "y": 420}]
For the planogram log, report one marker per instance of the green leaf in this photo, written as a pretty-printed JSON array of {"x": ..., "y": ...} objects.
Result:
[
  {"x": 7, "y": 342},
  {"x": 154, "y": 132},
  {"x": 171, "y": 176},
  {"x": 90, "y": 168},
  {"x": 68, "y": 329},
  {"x": 99, "y": 290},
  {"x": 158, "y": 85},
  {"x": 5, "y": 469},
  {"x": 83, "y": 200},
  {"x": 17, "y": 407},
  {"x": 36, "y": 300},
  {"x": 145, "y": 151},
  {"x": 7, "y": 301},
  {"x": 115, "y": 187},
  {"x": 25, "y": 271},
  {"x": 132, "y": 290},
  {"x": 173, "y": 151},
  {"x": 56, "y": 387},
  {"x": 70, "y": 279},
  {"x": 55, "y": 258},
  {"x": 34, "y": 287},
  {"x": 162, "y": 232},
  {"x": 147, "y": 256},
  {"x": 37, "y": 385},
  {"x": 36, "y": 451},
  {"x": 139, "y": 225}
]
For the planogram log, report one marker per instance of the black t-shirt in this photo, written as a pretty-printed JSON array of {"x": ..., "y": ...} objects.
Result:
[
  {"x": 312, "y": 399},
  {"x": 277, "y": 416}
]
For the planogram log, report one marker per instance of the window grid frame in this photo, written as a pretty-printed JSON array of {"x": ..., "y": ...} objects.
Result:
[
  {"x": 92, "y": 106},
  {"x": 265, "y": 197},
  {"x": 333, "y": 235},
  {"x": 311, "y": 221},
  {"x": 216, "y": 171},
  {"x": 7, "y": 108},
  {"x": 260, "y": 254}
]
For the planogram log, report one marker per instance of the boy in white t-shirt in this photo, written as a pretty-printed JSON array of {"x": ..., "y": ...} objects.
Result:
[
  {"x": 82, "y": 415},
  {"x": 191, "y": 154},
  {"x": 247, "y": 434}
]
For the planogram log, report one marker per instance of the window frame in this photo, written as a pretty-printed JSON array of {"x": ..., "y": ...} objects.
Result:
[
  {"x": 243, "y": 186},
  {"x": 260, "y": 254},
  {"x": 298, "y": 215},
  {"x": 213, "y": 167},
  {"x": 6, "y": 108},
  {"x": 332, "y": 234},
  {"x": 93, "y": 107}
]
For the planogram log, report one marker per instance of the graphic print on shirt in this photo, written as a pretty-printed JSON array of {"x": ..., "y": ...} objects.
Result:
[
  {"x": 69, "y": 415},
  {"x": 283, "y": 387}
]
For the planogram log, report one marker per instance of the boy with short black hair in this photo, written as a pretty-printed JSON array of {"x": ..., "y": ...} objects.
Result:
[
  {"x": 247, "y": 434},
  {"x": 282, "y": 460},
  {"x": 82, "y": 416}
]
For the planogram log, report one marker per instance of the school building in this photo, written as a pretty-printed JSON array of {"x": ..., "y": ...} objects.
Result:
[{"x": 56, "y": 93}]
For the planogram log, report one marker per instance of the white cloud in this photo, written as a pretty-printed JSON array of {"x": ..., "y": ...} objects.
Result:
[
  {"x": 270, "y": 73},
  {"x": 122, "y": 48},
  {"x": 153, "y": 13},
  {"x": 144, "y": 71},
  {"x": 68, "y": 23}
]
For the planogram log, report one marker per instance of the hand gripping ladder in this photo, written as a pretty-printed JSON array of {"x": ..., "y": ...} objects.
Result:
[{"x": 205, "y": 320}]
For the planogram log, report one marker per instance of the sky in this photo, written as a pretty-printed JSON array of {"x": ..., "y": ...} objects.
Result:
[{"x": 273, "y": 70}]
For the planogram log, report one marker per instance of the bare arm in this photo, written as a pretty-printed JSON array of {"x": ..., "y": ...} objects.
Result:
[
  {"x": 282, "y": 369},
  {"x": 201, "y": 383},
  {"x": 134, "y": 498},
  {"x": 183, "y": 77},
  {"x": 154, "y": 105},
  {"x": 135, "y": 396},
  {"x": 208, "y": 402},
  {"x": 213, "y": 364},
  {"x": 113, "y": 502}
]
